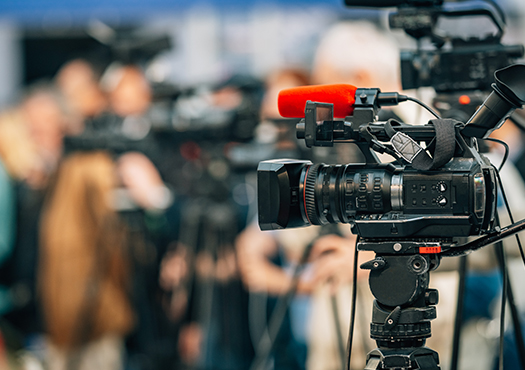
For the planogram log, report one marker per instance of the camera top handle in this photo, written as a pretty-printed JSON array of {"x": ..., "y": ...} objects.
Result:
[
  {"x": 319, "y": 128},
  {"x": 435, "y": 8}
]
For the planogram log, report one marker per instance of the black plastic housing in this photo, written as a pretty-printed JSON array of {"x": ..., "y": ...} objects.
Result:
[
  {"x": 278, "y": 193},
  {"x": 380, "y": 201}
]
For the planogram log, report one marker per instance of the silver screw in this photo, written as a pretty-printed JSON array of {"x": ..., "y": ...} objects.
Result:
[{"x": 397, "y": 247}]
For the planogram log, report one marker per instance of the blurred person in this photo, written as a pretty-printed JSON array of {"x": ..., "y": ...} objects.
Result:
[
  {"x": 18, "y": 158},
  {"x": 84, "y": 274},
  {"x": 357, "y": 53},
  {"x": 17, "y": 161},
  {"x": 32, "y": 145},
  {"x": 79, "y": 84},
  {"x": 129, "y": 97},
  {"x": 360, "y": 54},
  {"x": 276, "y": 81},
  {"x": 204, "y": 297},
  {"x": 147, "y": 205},
  {"x": 364, "y": 55},
  {"x": 266, "y": 260},
  {"x": 129, "y": 92},
  {"x": 44, "y": 113},
  {"x": 262, "y": 263},
  {"x": 40, "y": 121},
  {"x": 18, "y": 151}
]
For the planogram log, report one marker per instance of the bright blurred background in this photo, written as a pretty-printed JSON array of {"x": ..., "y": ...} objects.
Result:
[{"x": 196, "y": 295}]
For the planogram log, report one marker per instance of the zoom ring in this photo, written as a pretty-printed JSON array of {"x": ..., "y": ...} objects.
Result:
[{"x": 309, "y": 195}]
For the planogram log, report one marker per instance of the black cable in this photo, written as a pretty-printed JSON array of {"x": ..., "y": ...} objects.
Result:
[
  {"x": 428, "y": 108},
  {"x": 520, "y": 248},
  {"x": 506, "y": 155},
  {"x": 500, "y": 251},
  {"x": 352, "y": 314}
]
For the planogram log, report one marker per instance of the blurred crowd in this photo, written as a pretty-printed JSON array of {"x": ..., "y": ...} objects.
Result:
[{"x": 129, "y": 241}]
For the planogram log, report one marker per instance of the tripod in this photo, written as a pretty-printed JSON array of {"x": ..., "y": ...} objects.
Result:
[{"x": 404, "y": 305}]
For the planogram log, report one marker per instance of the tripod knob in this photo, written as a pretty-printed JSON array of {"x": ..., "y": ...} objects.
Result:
[
  {"x": 393, "y": 318},
  {"x": 377, "y": 263},
  {"x": 431, "y": 297}
]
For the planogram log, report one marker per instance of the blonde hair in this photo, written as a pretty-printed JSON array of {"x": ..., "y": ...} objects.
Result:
[
  {"x": 17, "y": 150},
  {"x": 83, "y": 268}
]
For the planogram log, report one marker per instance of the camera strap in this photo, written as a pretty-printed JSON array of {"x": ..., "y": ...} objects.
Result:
[{"x": 443, "y": 145}]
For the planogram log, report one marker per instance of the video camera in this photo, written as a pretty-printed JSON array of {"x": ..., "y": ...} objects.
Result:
[
  {"x": 450, "y": 195},
  {"x": 452, "y": 63},
  {"x": 411, "y": 211}
]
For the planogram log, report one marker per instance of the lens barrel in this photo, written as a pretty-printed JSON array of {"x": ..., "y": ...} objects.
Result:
[{"x": 336, "y": 193}]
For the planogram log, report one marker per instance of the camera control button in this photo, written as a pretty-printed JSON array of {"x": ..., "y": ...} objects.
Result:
[
  {"x": 442, "y": 187},
  {"x": 442, "y": 201}
]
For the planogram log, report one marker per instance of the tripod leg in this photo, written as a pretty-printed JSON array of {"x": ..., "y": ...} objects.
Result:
[
  {"x": 427, "y": 362},
  {"x": 373, "y": 363}
]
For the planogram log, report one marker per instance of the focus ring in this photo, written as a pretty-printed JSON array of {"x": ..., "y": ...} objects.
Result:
[{"x": 309, "y": 195}]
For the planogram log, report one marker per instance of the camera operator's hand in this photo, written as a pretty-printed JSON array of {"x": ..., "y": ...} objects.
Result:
[
  {"x": 331, "y": 259},
  {"x": 174, "y": 268},
  {"x": 142, "y": 179},
  {"x": 257, "y": 272}
]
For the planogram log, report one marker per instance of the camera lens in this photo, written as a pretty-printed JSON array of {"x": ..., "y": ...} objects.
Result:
[{"x": 337, "y": 193}]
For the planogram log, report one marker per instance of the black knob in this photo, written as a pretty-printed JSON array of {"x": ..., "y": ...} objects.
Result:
[
  {"x": 441, "y": 187},
  {"x": 442, "y": 201},
  {"x": 431, "y": 297},
  {"x": 377, "y": 263},
  {"x": 300, "y": 129}
]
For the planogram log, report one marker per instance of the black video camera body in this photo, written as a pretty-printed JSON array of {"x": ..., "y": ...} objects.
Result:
[
  {"x": 379, "y": 200},
  {"x": 410, "y": 199}
]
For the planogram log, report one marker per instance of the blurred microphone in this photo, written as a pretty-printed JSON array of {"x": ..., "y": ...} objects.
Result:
[{"x": 292, "y": 101}]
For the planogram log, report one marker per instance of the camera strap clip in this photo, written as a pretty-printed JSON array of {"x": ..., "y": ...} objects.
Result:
[
  {"x": 412, "y": 152},
  {"x": 405, "y": 146}
]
